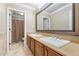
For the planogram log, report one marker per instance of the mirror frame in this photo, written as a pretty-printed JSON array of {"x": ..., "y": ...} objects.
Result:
[{"x": 73, "y": 16}]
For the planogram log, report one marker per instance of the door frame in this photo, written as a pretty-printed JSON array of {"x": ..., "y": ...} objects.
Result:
[{"x": 8, "y": 11}]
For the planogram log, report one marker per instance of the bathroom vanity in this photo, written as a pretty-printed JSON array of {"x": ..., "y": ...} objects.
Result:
[
  {"x": 40, "y": 47},
  {"x": 60, "y": 18}
]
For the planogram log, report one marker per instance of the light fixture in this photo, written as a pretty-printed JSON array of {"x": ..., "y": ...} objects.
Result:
[{"x": 21, "y": 13}]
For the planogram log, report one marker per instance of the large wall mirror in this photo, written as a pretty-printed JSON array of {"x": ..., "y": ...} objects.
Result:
[{"x": 57, "y": 17}]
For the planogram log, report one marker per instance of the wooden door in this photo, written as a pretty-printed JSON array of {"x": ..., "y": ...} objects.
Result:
[{"x": 39, "y": 49}]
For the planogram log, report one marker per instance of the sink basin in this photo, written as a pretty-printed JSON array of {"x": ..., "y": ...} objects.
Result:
[
  {"x": 48, "y": 38},
  {"x": 55, "y": 42},
  {"x": 36, "y": 35}
]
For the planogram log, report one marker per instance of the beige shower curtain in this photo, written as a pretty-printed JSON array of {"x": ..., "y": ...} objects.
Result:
[{"x": 17, "y": 29}]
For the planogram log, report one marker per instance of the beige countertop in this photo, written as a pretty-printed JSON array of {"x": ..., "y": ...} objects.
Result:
[{"x": 71, "y": 49}]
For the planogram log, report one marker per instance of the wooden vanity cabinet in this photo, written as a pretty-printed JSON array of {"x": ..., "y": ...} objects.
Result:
[
  {"x": 50, "y": 52},
  {"x": 32, "y": 46},
  {"x": 39, "y": 49},
  {"x": 29, "y": 42}
]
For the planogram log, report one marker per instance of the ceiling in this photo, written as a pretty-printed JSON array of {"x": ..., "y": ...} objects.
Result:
[
  {"x": 55, "y": 6},
  {"x": 35, "y": 5}
]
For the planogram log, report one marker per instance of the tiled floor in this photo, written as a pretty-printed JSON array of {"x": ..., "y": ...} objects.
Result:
[
  {"x": 3, "y": 44},
  {"x": 18, "y": 49}
]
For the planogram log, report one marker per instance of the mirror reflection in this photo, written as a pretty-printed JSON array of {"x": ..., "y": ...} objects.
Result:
[{"x": 58, "y": 16}]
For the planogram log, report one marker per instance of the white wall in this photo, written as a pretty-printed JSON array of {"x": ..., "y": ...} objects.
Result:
[
  {"x": 3, "y": 30},
  {"x": 2, "y": 18},
  {"x": 30, "y": 21}
]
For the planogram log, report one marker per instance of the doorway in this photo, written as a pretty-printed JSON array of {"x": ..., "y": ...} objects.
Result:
[
  {"x": 15, "y": 27},
  {"x": 45, "y": 24}
]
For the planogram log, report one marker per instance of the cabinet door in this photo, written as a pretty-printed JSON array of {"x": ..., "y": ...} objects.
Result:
[
  {"x": 32, "y": 46},
  {"x": 39, "y": 50},
  {"x": 50, "y": 52},
  {"x": 28, "y": 41}
]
